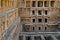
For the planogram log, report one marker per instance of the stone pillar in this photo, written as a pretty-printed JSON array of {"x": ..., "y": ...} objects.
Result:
[
  {"x": 24, "y": 37},
  {"x": 32, "y": 37},
  {"x": 36, "y": 3},
  {"x": 6, "y": 26},
  {"x": 49, "y": 3},
  {"x": 25, "y": 4},
  {"x": 43, "y": 3},
  {"x": 42, "y": 37}
]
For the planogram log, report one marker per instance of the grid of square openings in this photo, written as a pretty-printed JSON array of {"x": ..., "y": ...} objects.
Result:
[
  {"x": 43, "y": 3},
  {"x": 40, "y": 12},
  {"x": 40, "y": 20},
  {"x": 39, "y": 28},
  {"x": 40, "y": 3}
]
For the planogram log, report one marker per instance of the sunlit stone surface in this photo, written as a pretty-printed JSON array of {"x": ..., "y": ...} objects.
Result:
[{"x": 29, "y": 19}]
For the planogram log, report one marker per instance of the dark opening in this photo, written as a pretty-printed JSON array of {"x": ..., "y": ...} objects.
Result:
[
  {"x": 40, "y": 3},
  {"x": 45, "y": 12},
  {"x": 33, "y": 12},
  {"x": 33, "y": 28},
  {"x": 27, "y": 38},
  {"x": 45, "y": 20},
  {"x": 39, "y": 20},
  {"x": 33, "y": 4},
  {"x": 45, "y": 28},
  {"x": 39, "y": 12},
  {"x": 39, "y": 28},
  {"x": 52, "y": 3},
  {"x": 46, "y": 4},
  {"x": 33, "y": 20}
]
